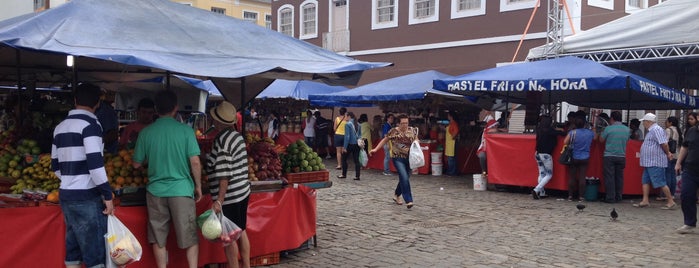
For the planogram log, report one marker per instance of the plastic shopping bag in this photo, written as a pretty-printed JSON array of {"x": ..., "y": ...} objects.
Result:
[
  {"x": 363, "y": 158},
  {"x": 231, "y": 231},
  {"x": 416, "y": 158},
  {"x": 210, "y": 225},
  {"x": 122, "y": 246}
]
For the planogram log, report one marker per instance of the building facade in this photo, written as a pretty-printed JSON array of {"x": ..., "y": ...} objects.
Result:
[
  {"x": 255, "y": 11},
  {"x": 450, "y": 36}
]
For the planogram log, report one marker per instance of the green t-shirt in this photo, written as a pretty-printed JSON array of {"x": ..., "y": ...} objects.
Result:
[
  {"x": 615, "y": 138},
  {"x": 166, "y": 146}
]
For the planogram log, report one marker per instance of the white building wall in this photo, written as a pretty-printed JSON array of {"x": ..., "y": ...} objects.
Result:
[{"x": 14, "y": 8}]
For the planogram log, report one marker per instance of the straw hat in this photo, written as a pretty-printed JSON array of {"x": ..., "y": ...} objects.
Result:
[{"x": 224, "y": 113}]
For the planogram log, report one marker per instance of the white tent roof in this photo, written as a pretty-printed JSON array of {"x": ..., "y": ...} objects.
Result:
[{"x": 667, "y": 30}]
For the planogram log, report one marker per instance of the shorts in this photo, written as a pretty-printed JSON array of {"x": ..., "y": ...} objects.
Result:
[
  {"x": 85, "y": 228},
  {"x": 179, "y": 210},
  {"x": 339, "y": 140},
  {"x": 654, "y": 176},
  {"x": 237, "y": 212}
]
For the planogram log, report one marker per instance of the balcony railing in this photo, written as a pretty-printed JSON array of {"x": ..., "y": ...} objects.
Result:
[{"x": 337, "y": 41}]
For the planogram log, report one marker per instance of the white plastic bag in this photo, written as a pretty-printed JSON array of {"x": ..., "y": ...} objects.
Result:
[
  {"x": 122, "y": 246},
  {"x": 231, "y": 232},
  {"x": 363, "y": 158},
  {"x": 210, "y": 225},
  {"x": 416, "y": 158}
]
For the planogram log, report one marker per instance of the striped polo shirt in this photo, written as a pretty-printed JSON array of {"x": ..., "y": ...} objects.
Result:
[
  {"x": 652, "y": 153},
  {"x": 76, "y": 157},
  {"x": 615, "y": 138},
  {"x": 228, "y": 159}
]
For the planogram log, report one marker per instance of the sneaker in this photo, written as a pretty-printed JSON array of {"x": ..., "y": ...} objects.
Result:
[
  {"x": 387, "y": 173},
  {"x": 535, "y": 195},
  {"x": 685, "y": 229}
]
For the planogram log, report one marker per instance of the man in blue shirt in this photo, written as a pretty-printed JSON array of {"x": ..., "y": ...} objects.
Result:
[{"x": 615, "y": 136}]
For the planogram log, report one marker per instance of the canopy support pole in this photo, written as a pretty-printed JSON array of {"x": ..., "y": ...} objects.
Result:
[
  {"x": 242, "y": 98},
  {"x": 628, "y": 106},
  {"x": 75, "y": 74},
  {"x": 167, "y": 80},
  {"x": 19, "y": 70}
]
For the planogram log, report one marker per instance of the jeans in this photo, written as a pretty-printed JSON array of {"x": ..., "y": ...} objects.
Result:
[
  {"x": 310, "y": 141},
  {"x": 451, "y": 165},
  {"x": 386, "y": 158},
  {"x": 614, "y": 177},
  {"x": 690, "y": 183},
  {"x": 352, "y": 151},
  {"x": 85, "y": 230},
  {"x": 671, "y": 177},
  {"x": 545, "y": 163},
  {"x": 403, "y": 187}
]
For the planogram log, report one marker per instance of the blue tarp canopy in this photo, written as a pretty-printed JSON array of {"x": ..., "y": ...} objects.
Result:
[
  {"x": 574, "y": 80},
  {"x": 415, "y": 86},
  {"x": 300, "y": 90},
  {"x": 118, "y": 38}
]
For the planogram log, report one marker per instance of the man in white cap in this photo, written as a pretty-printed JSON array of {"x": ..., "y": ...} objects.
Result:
[
  {"x": 227, "y": 171},
  {"x": 654, "y": 158}
]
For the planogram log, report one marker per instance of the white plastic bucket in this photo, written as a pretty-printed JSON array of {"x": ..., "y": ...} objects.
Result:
[
  {"x": 480, "y": 183},
  {"x": 436, "y": 157},
  {"x": 436, "y": 169}
]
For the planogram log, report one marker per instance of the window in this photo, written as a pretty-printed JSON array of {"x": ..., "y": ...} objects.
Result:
[
  {"x": 39, "y": 5},
  {"x": 309, "y": 19},
  {"x": 285, "y": 24},
  {"x": 635, "y": 5},
  {"x": 339, "y": 3},
  {"x": 218, "y": 10},
  {"x": 384, "y": 14},
  {"x": 606, "y": 4},
  {"x": 467, "y": 8},
  {"x": 509, "y": 5},
  {"x": 422, "y": 11},
  {"x": 250, "y": 16},
  {"x": 268, "y": 21}
]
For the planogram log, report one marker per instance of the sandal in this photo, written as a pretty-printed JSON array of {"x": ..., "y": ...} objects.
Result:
[
  {"x": 397, "y": 200},
  {"x": 639, "y": 205},
  {"x": 410, "y": 205},
  {"x": 672, "y": 207},
  {"x": 341, "y": 176}
]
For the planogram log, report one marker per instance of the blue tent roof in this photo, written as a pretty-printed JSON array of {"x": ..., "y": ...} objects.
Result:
[
  {"x": 300, "y": 90},
  {"x": 408, "y": 87},
  {"x": 574, "y": 80},
  {"x": 126, "y": 37}
]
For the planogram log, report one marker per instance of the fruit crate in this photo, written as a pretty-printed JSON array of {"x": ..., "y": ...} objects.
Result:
[
  {"x": 311, "y": 176},
  {"x": 265, "y": 260}
]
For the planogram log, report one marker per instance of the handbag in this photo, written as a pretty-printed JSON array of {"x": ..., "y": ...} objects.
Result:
[{"x": 566, "y": 157}]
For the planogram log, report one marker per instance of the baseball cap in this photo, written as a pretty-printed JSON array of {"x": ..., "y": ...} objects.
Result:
[{"x": 648, "y": 117}]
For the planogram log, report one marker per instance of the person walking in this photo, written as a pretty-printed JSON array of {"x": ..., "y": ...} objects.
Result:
[
  {"x": 581, "y": 140},
  {"x": 171, "y": 151},
  {"x": 85, "y": 195},
  {"x": 615, "y": 136},
  {"x": 688, "y": 165},
  {"x": 350, "y": 147},
  {"x": 674, "y": 136},
  {"x": 385, "y": 128},
  {"x": 654, "y": 157},
  {"x": 339, "y": 140},
  {"x": 546, "y": 139},
  {"x": 227, "y": 172},
  {"x": 452, "y": 134},
  {"x": 400, "y": 138}
]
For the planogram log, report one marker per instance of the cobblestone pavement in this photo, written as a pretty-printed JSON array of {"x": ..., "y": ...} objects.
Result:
[{"x": 451, "y": 225}]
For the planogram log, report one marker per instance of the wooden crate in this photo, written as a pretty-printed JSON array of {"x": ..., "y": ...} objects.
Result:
[
  {"x": 321, "y": 175},
  {"x": 265, "y": 260}
]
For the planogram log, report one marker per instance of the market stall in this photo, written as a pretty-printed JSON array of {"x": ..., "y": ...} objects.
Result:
[
  {"x": 277, "y": 221},
  {"x": 511, "y": 162}
]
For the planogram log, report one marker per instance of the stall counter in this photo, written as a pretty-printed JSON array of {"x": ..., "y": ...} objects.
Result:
[
  {"x": 280, "y": 220},
  {"x": 511, "y": 162}
]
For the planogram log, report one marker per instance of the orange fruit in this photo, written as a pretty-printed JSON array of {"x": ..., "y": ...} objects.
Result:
[
  {"x": 52, "y": 197},
  {"x": 120, "y": 180}
]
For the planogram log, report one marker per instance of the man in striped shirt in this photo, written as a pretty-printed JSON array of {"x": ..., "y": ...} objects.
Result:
[
  {"x": 227, "y": 172},
  {"x": 85, "y": 194},
  {"x": 654, "y": 158}
]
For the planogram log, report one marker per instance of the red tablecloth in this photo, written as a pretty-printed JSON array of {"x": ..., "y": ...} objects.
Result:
[
  {"x": 282, "y": 220},
  {"x": 511, "y": 162}
]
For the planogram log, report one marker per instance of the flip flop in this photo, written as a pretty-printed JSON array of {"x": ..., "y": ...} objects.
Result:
[
  {"x": 673, "y": 207},
  {"x": 639, "y": 205},
  {"x": 398, "y": 202}
]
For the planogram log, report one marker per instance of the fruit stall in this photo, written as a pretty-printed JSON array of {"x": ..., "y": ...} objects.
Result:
[{"x": 281, "y": 214}]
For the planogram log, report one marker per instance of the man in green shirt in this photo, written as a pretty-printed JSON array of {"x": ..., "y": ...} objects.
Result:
[
  {"x": 171, "y": 151},
  {"x": 614, "y": 137}
]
